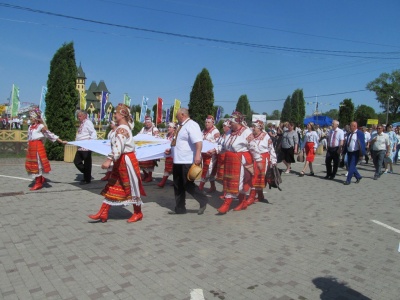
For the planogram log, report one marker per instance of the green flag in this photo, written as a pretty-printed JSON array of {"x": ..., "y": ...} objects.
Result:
[{"x": 14, "y": 101}]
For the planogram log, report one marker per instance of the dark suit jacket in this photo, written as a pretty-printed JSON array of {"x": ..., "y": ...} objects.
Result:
[{"x": 360, "y": 141}]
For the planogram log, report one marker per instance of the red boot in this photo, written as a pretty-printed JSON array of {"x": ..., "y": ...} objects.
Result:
[
  {"x": 137, "y": 214},
  {"x": 102, "y": 213},
  {"x": 38, "y": 184},
  {"x": 107, "y": 176},
  {"x": 163, "y": 181},
  {"x": 144, "y": 175},
  {"x": 201, "y": 185},
  {"x": 212, "y": 188},
  {"x": 252, "y": 197},
  {"x": 242, "y": 204},
  {"x": 43, "y": 179},
  {"x": 225, "y": 206},
  {"x": 149, "y": 177}
]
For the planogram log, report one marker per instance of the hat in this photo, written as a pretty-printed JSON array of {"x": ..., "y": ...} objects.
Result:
[
  {"x": 194, "y": 172},
  {"x": 259, "y": 124},
  {"x": 35, "y": 113},
  {"x": 147, "y": 118},
  {"x": 227, "y": 123},
  {"x": 237, "y": 117},
  {"x": 210, "y": 118}
]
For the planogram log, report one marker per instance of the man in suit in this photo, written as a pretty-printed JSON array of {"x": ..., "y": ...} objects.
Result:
[{"x": 355, "y": 149}]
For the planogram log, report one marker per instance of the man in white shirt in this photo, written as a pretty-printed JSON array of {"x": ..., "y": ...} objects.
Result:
[
  {"x": 334, "y": 141},
  {"x": 83, "y": 157},
  {"x": 367, "y": 139},
  {"x": 380, "y": 148},
  {"x": 186, "y": 150}
]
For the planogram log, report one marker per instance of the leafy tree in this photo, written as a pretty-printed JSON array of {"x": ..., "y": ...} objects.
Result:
[
  {"x": 201, "y": 102},
  {"x": 286, "y": 110},
  {"x": 346, "y": 112},
  {"x": 298, "y": 110},
  {"x": 387, "y": 90},
  {"x": 333, "y": 114},
  {"x": 61, "y": 99},
  {"x": 138, "y": 126},
  {"x": 226, "y": 116},
  {"x": 276, "y": 115},
  {"x": 363, "y": 113},
  {"x": 243, "y": 106},
  {"x": 135, "y": 109},
  {"x": 154, "y": 109}
]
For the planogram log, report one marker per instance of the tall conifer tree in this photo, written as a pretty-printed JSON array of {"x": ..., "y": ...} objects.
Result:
[
  {"x": 286, "y": 115},
  {"x": 61, "y": 99},
  {"x": 346, "y": 112},
  {"x": 243, "y": 106},
  {"x": 298, "y": 109},
  {"x": 201, "y": 102}
]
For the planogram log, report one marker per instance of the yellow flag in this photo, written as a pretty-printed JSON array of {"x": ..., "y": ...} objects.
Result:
[
  {"x": 138, "y": 116},
  {"x": 83, "y": 101},
  {"x": 177, "y": 106}
]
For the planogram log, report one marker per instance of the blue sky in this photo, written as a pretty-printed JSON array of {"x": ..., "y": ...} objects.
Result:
[{"x": 239, "y": 42}]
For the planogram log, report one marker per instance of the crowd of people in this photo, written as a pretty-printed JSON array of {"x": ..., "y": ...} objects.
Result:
[{"x": 238, "y": 159}]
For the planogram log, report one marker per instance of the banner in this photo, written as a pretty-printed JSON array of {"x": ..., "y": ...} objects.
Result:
[
  {"x": 42, "y": 102},
  {"x": 104, "y": 99},
  {"x": 137, "y": 116},
  {"x": 177, "y": 106},
  {"x": 144, "y": 109},
  {"x": 82, "y": 102},
  {"x": 159, "y": 110},
  {"x": 127, "y": 100},
  {"x": 167, "y": 117},
  {"x": 14, "y": 101},
  {"x": 218, "y": 116},
  {"x": 372, "y": 121}
]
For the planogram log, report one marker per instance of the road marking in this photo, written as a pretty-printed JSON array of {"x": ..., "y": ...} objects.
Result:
[
  {"x": 196, "y": 294},
  {"x": 386, "y": 226},
  {"x": 16, "y": 177}
]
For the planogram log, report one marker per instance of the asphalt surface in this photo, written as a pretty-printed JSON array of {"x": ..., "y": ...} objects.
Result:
[{"x": 316, "y": 239}]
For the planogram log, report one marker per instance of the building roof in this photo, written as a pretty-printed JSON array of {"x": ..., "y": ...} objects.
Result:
[
  {"x": 80, "y": 73},
  {"x": 102, "y": 87}
]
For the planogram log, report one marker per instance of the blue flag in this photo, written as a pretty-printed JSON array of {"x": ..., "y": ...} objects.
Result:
[
  {"x": 167, "y": 117},
  {"x": 104, "y": 98},
  {"x": 144, "y": 109},
  {"x": 218, "y": 116}
]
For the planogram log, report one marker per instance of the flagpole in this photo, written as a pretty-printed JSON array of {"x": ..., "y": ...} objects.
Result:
[{"x": 12, "y": 106}]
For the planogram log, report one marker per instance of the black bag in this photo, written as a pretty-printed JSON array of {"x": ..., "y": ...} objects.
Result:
[
  {"x": 341, "y": 163},
  {"x": 273, "y": 177}
]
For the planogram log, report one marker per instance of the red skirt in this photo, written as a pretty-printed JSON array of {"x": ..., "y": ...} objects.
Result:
[
  {"x": 169, "y": 163},
  {"x": 233, "y": 168},
  {"x": 310, "y": 152},
  {"x": 259, "y": 176},
  {"x": 147, "y": 164},
  {"x": 220, "y": 166},
  {"x": 31, "y": 162},
  {"x": 118, "y": 188}
]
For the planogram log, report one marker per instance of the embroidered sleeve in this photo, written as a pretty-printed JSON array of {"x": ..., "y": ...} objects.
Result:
[{"x": 118, "y": 143}]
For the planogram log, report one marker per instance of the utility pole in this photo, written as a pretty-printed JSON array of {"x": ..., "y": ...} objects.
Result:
[{"x": 387, "y": 109}]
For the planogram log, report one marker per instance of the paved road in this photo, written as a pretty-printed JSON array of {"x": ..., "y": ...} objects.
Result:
[{"x": 316, "y": 239}]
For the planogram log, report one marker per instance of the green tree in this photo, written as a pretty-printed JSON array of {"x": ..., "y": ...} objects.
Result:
[
  {"x": 363, "y": 113},
  {"x": 201, "y": 102},
  {"x": 135, "y": 109},
  {"x": 243, "y": 106},
  {"x": 61, "y": 99},
  {"x": 346, "y": 112},
  {"x": 138, "y": 126},
  {"x": 276, "y": 115},
  {"x": 333, "y": 114},
  {"x": 298, "y": 107},
  {"x": 286, "y": 110},
  {"x": 154, "y": 110},
  {"x": 387, "y": 90}
]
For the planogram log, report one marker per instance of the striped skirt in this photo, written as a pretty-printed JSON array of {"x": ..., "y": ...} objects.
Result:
[
  {"x": 236, "y": 179},
  {"x": 36, "y": 152}
]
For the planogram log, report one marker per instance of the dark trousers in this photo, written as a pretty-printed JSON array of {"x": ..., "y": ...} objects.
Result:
[
  {"x": 377, "y": 157},
  {"x": 332, "y": 155},
  {"x": 352, "y": 161},
  {"x": 183, "y": 185},
  {"x": 83, "y": 162}
]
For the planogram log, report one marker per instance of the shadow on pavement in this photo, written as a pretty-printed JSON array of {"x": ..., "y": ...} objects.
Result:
[{"x": 333, "y": 289}]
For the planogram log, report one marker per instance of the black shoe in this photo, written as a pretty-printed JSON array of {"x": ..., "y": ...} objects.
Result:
[
  {"x": 327, "y": 177},
  {"x": 376, "y": 177},
  {"x": 332, "y": 177},
  {"x": 346, "y": 183},
  {"x": 358, "y": 180},
  {"x": 202, "y": 209},
  {"x": 311, "y": 174},
  {"x": 83, "y": 182}
]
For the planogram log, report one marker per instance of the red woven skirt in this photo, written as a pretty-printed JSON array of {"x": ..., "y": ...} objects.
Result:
[
  {"x": 233, "y": 168},
  {"x": 119, "y": 187},
  {"x": 259, "y": 176},
  {"x": 31, "y": 162},
  {"x": 147, "y": 164},
  {"x": 220, "y": 166},
  {"x": 310, "y": 152},
  {"x": 169, "y": 163}
]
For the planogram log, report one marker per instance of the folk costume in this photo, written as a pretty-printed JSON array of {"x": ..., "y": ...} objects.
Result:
[
  {"x": 238, "y": 154},
  {"x": 36, "y": 163},
  {"x": 310, "y": 145},
  {"x": 211, "y": 134},
  {"x": 266, "y": 150},
  {"x": 147, "y": 166},
  {"x": 124, "y": 186},
  {"x": 169, "y": 161},
  {"x": 110, "y": 136}
]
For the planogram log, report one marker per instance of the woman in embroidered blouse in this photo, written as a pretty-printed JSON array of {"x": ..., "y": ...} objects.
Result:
[
  {"x": 36, "y": 163},
  {"x": 124, "y": 186},
  {"x": 310, "y": 145}
]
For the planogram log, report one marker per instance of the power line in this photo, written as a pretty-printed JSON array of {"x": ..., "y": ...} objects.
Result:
[{"x": 337, "y": 53}]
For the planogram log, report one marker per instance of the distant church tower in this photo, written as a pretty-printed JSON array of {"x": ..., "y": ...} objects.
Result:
[{"x": 80, "y": 80}]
